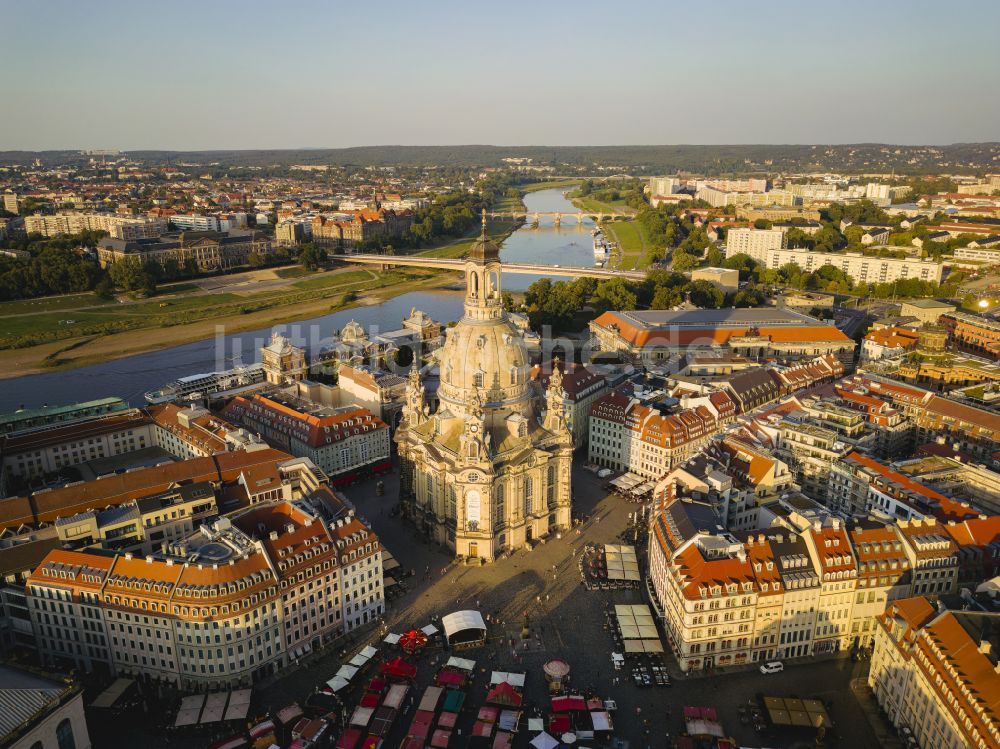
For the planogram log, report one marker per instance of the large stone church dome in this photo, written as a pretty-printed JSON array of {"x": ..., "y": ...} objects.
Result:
[{"x": 488, "y": 355}]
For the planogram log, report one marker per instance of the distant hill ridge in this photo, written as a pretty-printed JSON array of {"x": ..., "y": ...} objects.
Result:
[{"x": 721, "y": 159}]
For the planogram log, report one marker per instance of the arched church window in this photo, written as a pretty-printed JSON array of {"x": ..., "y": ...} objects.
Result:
[
  {"x": 477, "y": 379},
  {"x": 529, "y": 491}
]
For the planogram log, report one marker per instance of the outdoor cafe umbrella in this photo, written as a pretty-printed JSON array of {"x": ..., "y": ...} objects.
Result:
[{"x": 569, "y": 738}]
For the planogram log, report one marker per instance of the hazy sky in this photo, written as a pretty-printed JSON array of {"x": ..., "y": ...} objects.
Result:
[{"x": 214, "y": 74}]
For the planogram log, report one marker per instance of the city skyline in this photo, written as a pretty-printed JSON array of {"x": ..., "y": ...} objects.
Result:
[{"x": 248, "y": 78}]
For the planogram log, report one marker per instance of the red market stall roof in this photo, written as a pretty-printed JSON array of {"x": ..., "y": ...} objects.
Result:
[
  {"x": 450, "y": 678},
  {"x": 489, "y": 714},
  {"x": 349, "y": 739},
  {"x": 372, "y": 742},
  {"x": 568, "y": 704},
  {"x": 482, "y": 728},
  {"x": 502, "y": 741},
  {"x": 369, "y": 700},
  {"x": 447, "y": 720},
  {"x": 440, "y": 739},
  {"x": 413, "y": 743},
  {"x": 504, "y": 694},
  {"x": 419, "y": 729},
  {"x": 399, "y": 669},
  {"x": 559, "y": 723},
  {"x": 376, "y": 685}
]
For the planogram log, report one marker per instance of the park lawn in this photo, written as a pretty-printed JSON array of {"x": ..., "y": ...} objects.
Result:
[
  {"x": 337, "y": 279},
  {"x": 630, "y": 238},
  {"x": 75, "y": 322},
  {"x": 553, "y": 184},
  {"x": 167, "y": 306},
  {"x": 52, "y": 303},
  {"x": 295, "y": 271},
  {"x": 590, "y": 204},
  {"x": 508, "y": 204}
]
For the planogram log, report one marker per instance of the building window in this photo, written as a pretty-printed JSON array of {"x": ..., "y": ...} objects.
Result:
[
  {"x": 64, "y": 735},
  {"x": 528, "y": 495}
]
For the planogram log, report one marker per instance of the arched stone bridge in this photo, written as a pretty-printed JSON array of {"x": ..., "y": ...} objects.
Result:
[{"x": 558, "y": 216}]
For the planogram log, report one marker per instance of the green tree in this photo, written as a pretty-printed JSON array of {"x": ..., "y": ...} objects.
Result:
[
  {"x": 706, "y": 294},
  {"x": 683, "y": 261},
  {"x": 311, "y": 257},
  {"x": 616, "y": 294}
]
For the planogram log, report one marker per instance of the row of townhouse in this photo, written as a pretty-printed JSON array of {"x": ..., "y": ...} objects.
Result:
[
  {"x": 628, "y": 435},
  {"x": 182, "y": 432},
  {"x": 800, "y": 587},
  {"x": 227, "y": 606},
  {"x": 345, "y": 442}
]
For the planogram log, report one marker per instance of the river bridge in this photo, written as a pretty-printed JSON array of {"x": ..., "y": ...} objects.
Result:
[
  {"x": 558, "y": 216},
  {"x": 387, "y": 262}
]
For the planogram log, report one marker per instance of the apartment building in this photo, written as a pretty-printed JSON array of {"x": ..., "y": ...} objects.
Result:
[
  {"x": 859, "y": 484},
  {"x": 49, "y": 449},
  {"x": 860, "y": 267},
  {"x": 664, "y": 185},
  {"x": 183, "y": 432},
  {"x": 582, "y": 387},
  {"x": 346, "y": 443},
  {"x": 801, "y": 583},
  {"x": 935, "y": 673},
  {"x": 244, "y": 478},
  {"x": 626, "y": 435},
  {"x": 144, "y": 524},
  {"x": 888, "y": 343},
  {"x": 195, "y": 432},
  {"x": 221, "y": 608},
  {"x": 884, "y": 575},
  {"x": 973, "y": 334},
  {"x": 754, "y": 242},
  {"x": 118, "y": 226},
  {"x": 933, "y": 556}
]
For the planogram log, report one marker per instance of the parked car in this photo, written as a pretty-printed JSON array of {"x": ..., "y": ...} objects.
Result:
[{"x": 772, "y": 667}]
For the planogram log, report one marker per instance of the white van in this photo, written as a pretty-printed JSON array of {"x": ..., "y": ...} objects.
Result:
[{"x": 772, "y": 667}]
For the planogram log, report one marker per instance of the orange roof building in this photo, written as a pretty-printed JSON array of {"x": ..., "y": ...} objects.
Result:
[
  {"x": 225, "y": 606},
  {"x": 936, "y": 673},
  {"x": 650, "y": 336}
]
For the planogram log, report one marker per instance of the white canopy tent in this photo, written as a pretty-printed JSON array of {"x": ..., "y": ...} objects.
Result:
[
  {"x": 544, "y": 741},
  {"x": 359, "y": 660},
  {"x": 514, "y": 679},
  {"x": 463, "y": 627},
  {"x": 346, "y": 672},
  {"x": 463, "y": 664},
  {"x": 430, "y": 630},
  {"x": 392, "y": 638},
  {"x": 369, "y": 651},
  {"x": 337, "y": 683},
  {"x": 112, "y": 694}
]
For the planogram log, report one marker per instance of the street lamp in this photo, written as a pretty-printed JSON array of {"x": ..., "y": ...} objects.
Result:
[{"x": 984, "y": 304}]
